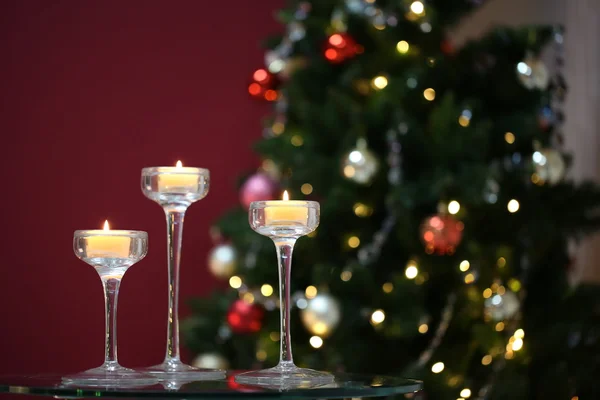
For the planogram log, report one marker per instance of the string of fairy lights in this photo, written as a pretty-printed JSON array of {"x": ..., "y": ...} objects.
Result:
[{"x": 501, "y": 303}]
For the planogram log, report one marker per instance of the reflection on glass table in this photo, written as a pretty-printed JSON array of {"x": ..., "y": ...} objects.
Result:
[{"x": 343, "y": 386}]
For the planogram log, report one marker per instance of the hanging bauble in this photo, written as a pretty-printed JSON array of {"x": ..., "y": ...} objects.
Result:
[
  {"x": 244, "y": 317},
  {"x": 549, "y": 166},
  {"x": 256, "y": 188},
  {"x": 533, "y": 74},
  {"x": 341, "y": 47},
  {"x": 222, "y": 261},
  {"x": 210, "y": 361},
  {"x": 500, "y": 307},
  {"x": 263, "y": 85},
  {"x": 321, "y": 315},
  {"x": 441, "y": 233},
  {"x": 360, "y": 164}
]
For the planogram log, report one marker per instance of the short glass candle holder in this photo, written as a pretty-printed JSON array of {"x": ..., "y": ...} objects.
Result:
[
  {"x": 175, "y": 189},
  {"x": 284, "y": 222},
  {"x": 111, "y": 253}
]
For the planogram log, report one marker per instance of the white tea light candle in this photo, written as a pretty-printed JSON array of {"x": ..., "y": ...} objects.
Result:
[
  {"x": 107, "y": 243},
  {"x": 286, "y": 211},
  {"x": 178, "y": 179}
]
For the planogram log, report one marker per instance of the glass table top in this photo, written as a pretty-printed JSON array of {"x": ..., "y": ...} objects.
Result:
[{"x": 344, "y": 386}]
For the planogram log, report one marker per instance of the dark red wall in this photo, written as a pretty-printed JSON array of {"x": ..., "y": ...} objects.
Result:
[{"x": 92, "y": 91}]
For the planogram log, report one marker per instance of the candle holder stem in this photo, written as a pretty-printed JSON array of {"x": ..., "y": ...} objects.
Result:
[
  {"x": 174, "y": 235},
  {"x": 285, "y": 247},
  {"x": 111, "y": 295}
]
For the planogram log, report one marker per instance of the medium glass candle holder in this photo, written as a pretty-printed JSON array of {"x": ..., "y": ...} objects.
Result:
[
  {"x": 111, "y": 253},
  {"x": 284, "y": 222},
  {"x": 175, "y": 189}
]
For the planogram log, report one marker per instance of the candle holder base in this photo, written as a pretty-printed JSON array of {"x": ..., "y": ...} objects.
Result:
[
  {"x": 178, "y": 371},
  {"x": 285, "y": 376},
  {"x": 110, "y": 376}
]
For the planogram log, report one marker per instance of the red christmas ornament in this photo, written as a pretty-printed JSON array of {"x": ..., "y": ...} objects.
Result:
[
  {"x": 256, "y": 188},
  {"x": 341, "y": 47},
  {"x": 441, "y": 234},
  {"x": 263, "y": 85},
  {"x": 244, "y": 318}
]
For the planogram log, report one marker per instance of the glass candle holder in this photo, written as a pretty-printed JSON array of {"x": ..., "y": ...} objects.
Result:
[
  {"x": 111, "y": 253},
  {"x": 175, "y": 189},
  {"x": 284, "y": 222}
]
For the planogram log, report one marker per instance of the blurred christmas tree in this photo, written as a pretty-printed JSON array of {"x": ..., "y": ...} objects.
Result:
[{"x": 443, "y": 250}]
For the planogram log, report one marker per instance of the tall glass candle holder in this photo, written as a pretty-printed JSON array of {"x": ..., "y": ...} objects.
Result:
[
  {"x": 284, "y": 222},
  {"x": 111, "y": 253},
  {"x": 175, "y": 189}
]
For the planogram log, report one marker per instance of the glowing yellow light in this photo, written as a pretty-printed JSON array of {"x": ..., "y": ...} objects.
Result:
[
  {"x": 423, "y": 328},
  {"x": 453, "y": 207},
  {"x": 353, "y": 242},
  {"x": 495, "y": 286},
  {"x": 429, "y": 94},
  {"x": 277, "y": 128},
  {"x": 388, "y": 287},
  {"x": 509, "y": 355},
  {"x": 501, "y": 262},
  {"x": 499, "y": 327},
  {"x": 349, "y": 171},
  {"x": 274, "y": 336},
  {"x": 519, "y": 334},
  {"x": 402, "y": 47},
  {"x": 379, "y": 82},
  {"x": 261, "y": 355},
  {"x": 535, "y": 178},
  {"x": 178, "y": 164},
  {"x": 486, "y": 360},
  {"x": 411, "y": 272},
  {"x": 266, "y": 290},
  {"x": 509, "y": 137},
  {"x": 501, "y": 290},
  {"x": 377, "y": 317},
  {"x": 513, "y": 206},
  {"x": 362, "y": 210},
  {"x": 346, "y": 275},
  {"x": 297, "y": 140},
  {"x": 487, "y": 293},
  {"x": 310, "y": 292},
  {"x": 469, "y": 278},
  {"x": 306, "y": 189},
  {"x": 464, "y": 121},
  {"x": 417, "y": 7},
  {"x": 248, "y": 297},
  {"x": 437, "y": 367},
  {"x": 517, "y": 344},
  {"x": 235, "y": 282},
  {"x": 514, "y": 285},
  {"x": 316, "y": 342},
  {"x": 320, "y": 328},
  {"x": 464, "y": 265},
  {"x": 466, "y": 393},
  {"x": 575, "y": 398}
]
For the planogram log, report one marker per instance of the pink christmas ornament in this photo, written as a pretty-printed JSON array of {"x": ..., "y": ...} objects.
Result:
[{"x": 256, "y": 188}]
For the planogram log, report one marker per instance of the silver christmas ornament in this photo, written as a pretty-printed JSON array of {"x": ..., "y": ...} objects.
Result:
[
  {"x": 549, "y": 165},
  {"x": 321, "y": 315},
  {"x": 360, "y": 164},
  {"x": 533, "y": 74},
  {"x": 210, "y": 361},
  {"x": 501, "y": 307},
  {"x": 222, "y": 261}
]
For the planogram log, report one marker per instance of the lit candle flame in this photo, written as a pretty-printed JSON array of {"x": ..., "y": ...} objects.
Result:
[
  {"x": 179, "y": 164},
  {"x": 106, "y": 227},
  {"x": 286, "y": 196}
]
